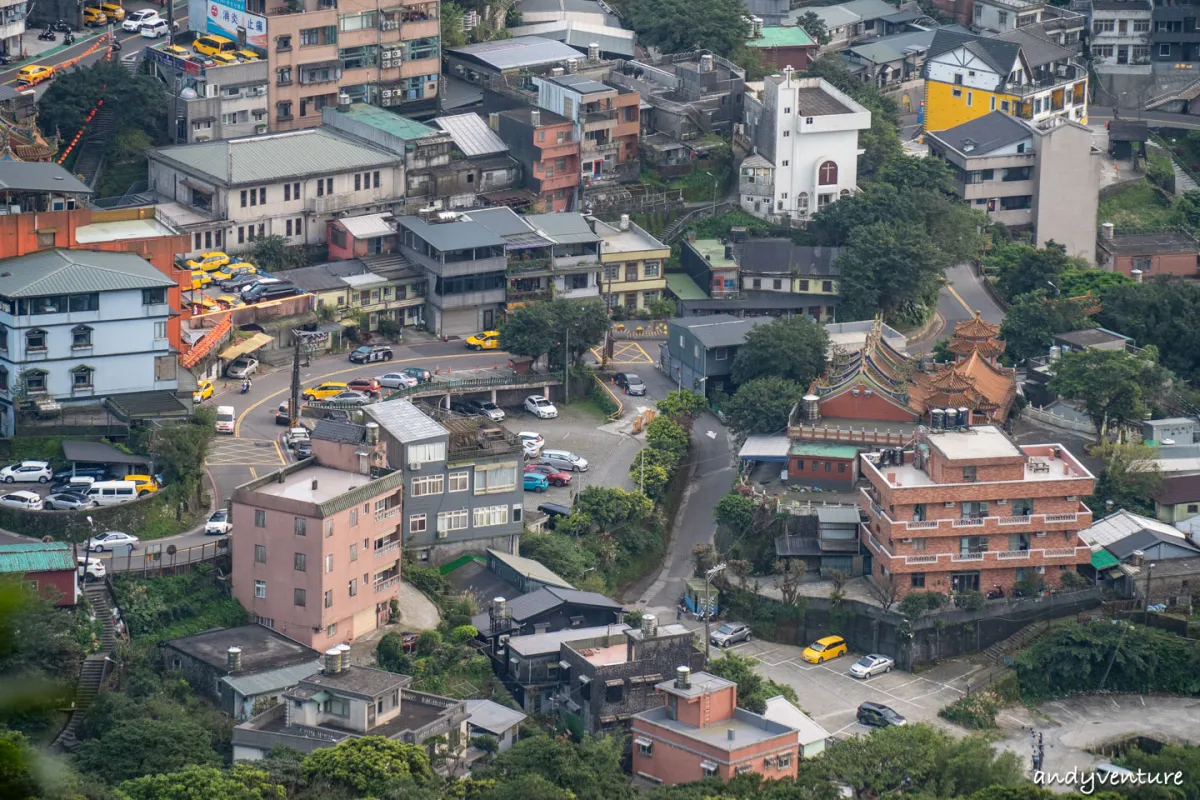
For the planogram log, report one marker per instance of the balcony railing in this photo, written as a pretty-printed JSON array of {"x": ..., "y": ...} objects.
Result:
[
  {"x": 1059, "y": 552},
  {"x": 1082, "y": 517},
  {"x": 600, "y": 116},
  {"x": 380, "y": 516},
  {"x": 969, "y": 556},
  {"x": 384, "y": 585},
  {"x": 390, "y": 547},
  {"x": 1009, "y": 554},
  {"x": 929, "y": 559}
]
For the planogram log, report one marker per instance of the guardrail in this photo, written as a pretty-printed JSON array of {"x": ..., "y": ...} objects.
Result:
[
  {"x": 474, "y": 384},
  {"x": 157, "y": 559},
  {"x": 620, "y": 412}
]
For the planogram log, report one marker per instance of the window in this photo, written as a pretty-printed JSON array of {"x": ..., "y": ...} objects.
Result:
[
  {"x": 460, "y": 481},
  {"x": 651, "y": 269},
  {"x": 1193, "y": 508},
  {"x": 153, "y": 297},
  {"x": 1022, "y": 507},
  {"x": 354, "y": 587},
  {"x": 491, "y": 515},
  {"x": 416, "y": 523},
  {"x": 827, "y": 286},
  {"x": 328, "y": 528},
  {"x": 972, "y": 545},
  {"x": 1141, "y": 26},
  {"x": 783, "y": 760},
  {"x": 35, "y": 381},
  {"x": 81, "y": 336},
  {"x": 645, "y": 747},
  {"x": 260, "y": 518},
  {"x": 260, "y": 589},
  {"x": 493, "y": 478},
  {"x": 451, "y": 521},
  {"x": 357, "y": 182},
  {"x": 375, "y": 178},
  {"x": 631, "y": 272},
  {"x": 300, "y": 562},
  {"x": 328, "y": 563},
  {"x": 720, "y": 353},
  {"x": 970, "y": 474},
  {"x": 354, "y": 552},
  {"x": 300, "y": 526},
  {"x": 974, "y": 509},
  {"x": 331, "y": 630},
  {"x": 1002, "y": 16},
  {"x": 828, "y": 174},
  {"x": 353, "y": 517},
  {"x": 970, "y": 97},
  {"x": 956, "y": 92},
  {"x": 419, "y": 454},
  {"x": 422, "y": 487},
  {"x": 918, "y": 544},
  {"x": 329, "y": 598},
  {"x": 260, "y": 554},
  {"x": 709, "y": 769},
  {"x": 1164, "y": 50},
  {"x": 1102, "y": 26},
  {"x": 160, "y": 330},
  {"x": 81, "y": 377},
  {"x": 300, "y": 597}
]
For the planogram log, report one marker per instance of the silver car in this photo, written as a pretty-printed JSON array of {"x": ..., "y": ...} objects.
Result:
[
  {"x": 873, "y": 664},
  {"x": 564, "y": 460},
  {"x": 730, "y": 634}
]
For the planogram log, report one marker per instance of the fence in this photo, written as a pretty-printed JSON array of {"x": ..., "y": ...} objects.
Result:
[
  {"x": 157, "y": 560},
  {"x": 1058, "y": 421}
]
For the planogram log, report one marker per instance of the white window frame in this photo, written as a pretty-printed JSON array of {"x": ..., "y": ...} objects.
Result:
[
  {"x": 459, "y": 482},
  {"x": 432, "y": 452},
  {"x": 424, "y": 487},
  {"x": 448, "y": 521},
  {"x": 260, "y": 590},
  {"x": 414, "y": 519},
  {"x": 490, "y": 516},
  {"x": 496, "y": 478}
]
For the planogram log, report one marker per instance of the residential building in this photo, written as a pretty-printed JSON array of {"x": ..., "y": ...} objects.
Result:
[
  {"x": 606, "y": 125},
  {"x": 1132, "y": 540},
  {"x": 526, "y": 252},
  {"x": 47, "y": 568},
  {"x": 1144, "y": 255},
  {"x": 1120, "y": 32},
  {"x": 12, "y": 27},
  {"x": 702, "y": 349},
  {"x": 237, "y": 667},
  {"x": 632, "y": 262},
  {"x": 222, "y": 101},
  {"x": 1172, "y": 430},
  {"x": 710, "y": 263},
  {"x": 812, "y": 736},
  {"x": 318, "y": 558},
  {"x": 699, "y": 732},
  {"x": 605, "y": 679},
  {"x": 851, "y": 22},
  {"x": 531, "y": 665},
  {"x": 471, "y": 135},
  {"x": 347, "y": 286},
  {"x": 777, "y": 266},
  {"x": 832, "y": 543},
  {"x": 546, "y": 611},
  {"x": 343, "y": 702},
  {"x": 969, "y": 509},
  {"x": 689, "y": 94},
  {"x": 782, "y": 46},
  {"x": 1173, "y": 36},
  {"x": 574, "y": 254},
  {"x": 806, "y": 133},
  {"x": 226, "y": 194},
  {"x": 1061, "y": 25},
  {"x": 1025, "y": 174},
  {"x": 463, "y": 479},
  {"x": 1177, "y": 498},
  {"x": 1019, "y": 73},
  {"x": 501, "y": 64},
  {"x": 78, "y": 327},
  {"x": 465, "y": 268},
  {"x": 891, "y": 62},
  {"x": 487, "y": 718},
  {"x": 611, "y": 41},
  {"x": 367, "y": 234},
  {"x": 524, "y": 574},
  {"x": 545, "y": 145}
]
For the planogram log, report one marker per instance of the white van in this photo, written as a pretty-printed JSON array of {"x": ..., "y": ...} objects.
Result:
[
  {"x": 110, "y": 493},
  {"x": 226, "y": 416}
]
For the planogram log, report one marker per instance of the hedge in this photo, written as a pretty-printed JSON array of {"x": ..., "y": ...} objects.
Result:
[{"x": 150, "y": 517}]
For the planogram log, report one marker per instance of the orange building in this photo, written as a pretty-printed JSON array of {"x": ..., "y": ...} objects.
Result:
[{"x": 699, "y": 732}]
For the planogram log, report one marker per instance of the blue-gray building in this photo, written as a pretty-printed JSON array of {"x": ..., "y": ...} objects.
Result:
[{"x": 700, "y": 350}]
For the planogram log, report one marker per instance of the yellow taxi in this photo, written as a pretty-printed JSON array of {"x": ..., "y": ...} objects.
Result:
[
  {"x": 210, "y": 45},
  {"x": 223, "y": 59},
  {"x": 209, "y": 261},
  {"x": 200, "y": 279},
  {"x": 94, "y": 17},
  {"x": 112, "y": 11},
  {"x": 34, "y": 74},
  {"x": 229, "y": 301},
  {"x": 822, "y": 650},
  {"x": 176, "y": 50},
  {"x": 246, "y": 55},
  {"x": 324, "y": 390},
  {"x": 203, "y": 305},
  {"x": 488, "y": 340},
  {"x": 204, "y": 390},
  {"x": 232, "y": 270},
  {"x": 145, "y": 483}
]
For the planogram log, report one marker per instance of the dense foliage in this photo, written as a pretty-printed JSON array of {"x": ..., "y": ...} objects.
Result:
[
  {"x": 176, "y": 605},
  {"x": 1113, "y": 386},
  {"x": 762, "y": 405},
  {"x": 553, "y": 328},
  {"x": 753, "y": 690},
  {"x": 793, "y": 348}
]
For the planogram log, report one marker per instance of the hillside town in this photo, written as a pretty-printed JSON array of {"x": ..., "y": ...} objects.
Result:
[{"x": 599, "y": 400}]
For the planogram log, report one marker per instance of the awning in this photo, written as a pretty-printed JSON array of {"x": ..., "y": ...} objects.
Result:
[
  {"x": 615, "y": 682},
  {"x": 711, "y": 766},
  {"x": 766, "y": 448},
  {"x": 255, "y": 342},
  {"x": 1102, "y": 559},
  {"x": 563, "y": 665},
  {"x": 643, "y": 741},
  {"x": 683, "y": 287},
  {"x": 584, "y": 679}
]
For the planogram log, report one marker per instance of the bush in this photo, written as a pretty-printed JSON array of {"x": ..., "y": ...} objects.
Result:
[
  {"x": 975, "y": 711},
  {"x": 177, "y": 605},
  {"x": 1073, "y": 581},
  {"x": 1030, "y": 586},
  {"x": 427, "y": 579},
  {"x": 915, "y": 604},
  {"x": 602, "y": 399},
  {"x": 463, "y": 633},
  {"x": 428, "y": 642},
  {"x": 969, "y": 600}
]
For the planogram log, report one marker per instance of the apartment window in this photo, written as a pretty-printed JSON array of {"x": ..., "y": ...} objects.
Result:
[
  {"x": 260, "y": 589},
  {"x": 651, "y": 269},
  {"x": 283, "y": 111},
  {"x": 357, "y": 182},
  {"x": 970, "y": 97},
  {"x": 1004, "y": 105},
  {"x": 1102, "y": 26},
  {"x": 452, "y": 521},
  {"x": 300, "y": 597},
  {"x": 329, "y": 598},
  {"x": 1022, "y": 507},
  {"x": 645, "y": 747},
  {"x": 993, "y": 103},
  {"x": 288, "y": 228},
  {"x": 783, "y": 760},
  {"x": 260, "y": 554},
  {"x": 1164, "y": 50},
  {"x": 972, "y": 545},
  {"x": 354, "y": 552},
  {"x": 287, "y": 193},
  {"x": 160, "y": 330},
  {"x": 631, "y": 272},
  {"x": 918, "y": 545},
  {"x": 422, "y": 487},
  {"x": 419, "y": 454},
  {"x": 362, "y": 21},
  {"x": 1003, "y": 17},
  {"x": 1141, "y": 26},
  {"x": 956, "y": 92},
  {"x": 300, "y": 562},
  {"x": 81, "y": 377},
  {"x": 491, "y": 515},
  {"x": 460, "y": 481},
  {"x": 329, "y": 563},
  {"x": 721, "y": 354},
  {"x": 35, "y": 381},
  {"x": 709, "y": 769},
  {"x": 493, "y": 478},
  {"x": 416, "y": 523},
  {"x": 331, "y": 630},
  {"x": 353, "y": 517},
  {"x": 153, "y": 297},
  {"x": 300, "y": 526},
  {"x": 283, "y": 44},
  {"x": 244, "y": 198},
  {"x": 756, "y": 283},
  {"x": 260, "y": 518},
  {"x": 354, "y": 587},
  {"x": 375, "y": 179},
  {"x": 974, "y": 509},
  {"x": 917, "y": 580},
  {"x": 826, "y": 286},
  {"x": 970, "y": 474}
]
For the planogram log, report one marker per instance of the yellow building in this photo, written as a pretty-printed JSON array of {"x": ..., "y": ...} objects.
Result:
[
  {"x": 632, "y": 264},
  {"x": 1018, "y": 73}
]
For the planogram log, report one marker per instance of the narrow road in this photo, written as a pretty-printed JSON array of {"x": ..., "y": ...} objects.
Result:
[{"x": 961, "y": 296}]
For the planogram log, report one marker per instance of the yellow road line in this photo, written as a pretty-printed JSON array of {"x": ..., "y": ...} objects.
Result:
[
  {"x": 958, "y": 297},
  {"x": 237, "y": 428},
  {"x": 253, "y": 474}
]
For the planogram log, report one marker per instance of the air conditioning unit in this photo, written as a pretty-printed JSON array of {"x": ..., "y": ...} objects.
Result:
[
  {"x": 387, "y": 92},
  {"x": 414, "y": 465},
  {"x": 211, "y": 90},
  {"x": 906, "y": 541},
  {"x": 1040, "y": 570},
  {"x": 1001, "y": 502},
  {"x": 259, "y": 91},
  {"x": 260, "y": 128},
  {"x": 949, "y": 505},
  {"x": 1041, "y": 534},
  {"x": 387, "y": 101}
]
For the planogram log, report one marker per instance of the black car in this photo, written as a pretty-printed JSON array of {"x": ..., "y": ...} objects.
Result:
[
  {"x": 878, "y": 716},
  {"x": 270, "y": 291},
  {"x": 422, "y": 375},
  {"x": 367, "y": 352},
  {"x": 553, "y": 512},
  {"x": 238, "y": 281},
  {"x": 463, "y": 408},
  {"x": 631, "y": 383}
]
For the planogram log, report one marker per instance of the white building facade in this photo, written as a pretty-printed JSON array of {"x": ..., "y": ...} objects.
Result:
[{"x": 1121, "y": 32}]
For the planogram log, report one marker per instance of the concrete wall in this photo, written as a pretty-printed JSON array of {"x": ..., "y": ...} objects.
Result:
[{"x": 1066, "y": 175}]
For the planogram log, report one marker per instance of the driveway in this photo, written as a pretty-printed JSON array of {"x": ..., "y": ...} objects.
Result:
[{"x": 960, "y": 297}]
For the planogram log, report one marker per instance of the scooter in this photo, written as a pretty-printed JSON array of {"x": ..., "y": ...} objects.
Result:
[
  {"x": 245, "y": 387},
  {"x": 62, "y": 25},
  {"x": 47, "y": 36},
  {"x": 68, "y": 38},
  {"x": 116, "y": 45}
]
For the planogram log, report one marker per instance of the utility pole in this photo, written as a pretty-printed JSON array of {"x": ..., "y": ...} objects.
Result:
[
  {"x": 294, "y": 402},
  {"x": 567, "y": 367},
  {"x": 708, "y": 606},
  {"x": 1149, "y": 575}
]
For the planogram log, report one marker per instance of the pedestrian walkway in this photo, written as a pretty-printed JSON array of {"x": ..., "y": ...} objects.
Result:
[{"x": 95, "y": 667}]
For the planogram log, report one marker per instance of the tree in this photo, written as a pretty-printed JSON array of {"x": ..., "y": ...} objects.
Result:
[
  {"x": 1112, "y": 385},
  {"x": 1076, "y": 281},
  {"x": 135, "y": 746},
  {"x": 390, "y": 655},
  {"x": 675, "y": 26},
  {"x": 182, "y": 450},
  {"x": 792, "y": 348},
  {"x": 1036, "y": 269},
  {"x": 651, "y": 471},
  {"x": 1034, "y": 319},
  {"x": 528, "y": 331},
  {"x": 1131, "y": 476},
  {"x": 665, "y": 434},
  {"x": 762, "y": 405},
  {"x": 428, "y": 642},
  {"x": 1164, "y": 312},
  {"x": 814, "y": 26},
  {"x": 884, "y": 589},
  {"x": 752, "y": 690},
  {"x": 590, "y": 770},
  {"x": 605, "y": 508},
  {"x": 370, "y": 765},
  {"x": 682, "y": 405},
  {"x": 242, "y": 782},
  {"x": 140, "y": 100},
  {"x": 889, "y": 267},
  {"x": 941, "y": 352},
  {"x": 453, "y": 32},
  {"x": 560, "y": 554},
  {"x": 551, "y": 326},
  {"x": 273, "y": 253},
  {"x": 735, "y": 512}
]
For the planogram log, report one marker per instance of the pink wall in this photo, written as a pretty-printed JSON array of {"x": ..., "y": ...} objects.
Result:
[{"x": 676, "y": 758}]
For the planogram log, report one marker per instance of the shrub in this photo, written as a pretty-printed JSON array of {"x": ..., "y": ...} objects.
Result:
[
  {"x": 1029, "y": 586},
  {"x": 975, "y": 711},
  {"x": 428, "y": 579},
  {"x": 463, "y": 633},
  {"x": 602, "y": 399},
  {"x": 969, "y": 600},
  {"x": 1073, "y": 581},
  {"x": 916, "y": 603}
]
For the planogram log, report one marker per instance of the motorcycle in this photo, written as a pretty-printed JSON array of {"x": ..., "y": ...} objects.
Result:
[
  {"x": 47, "y": 36},
  {"x": 69, "y": 38},
  {"x": 62, "y": 26},
  {"x": 245, "y": 387},
  {"x": 116, "y": 45}
]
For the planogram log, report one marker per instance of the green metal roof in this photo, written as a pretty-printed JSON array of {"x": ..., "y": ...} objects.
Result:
[
  {"x": 823, "y": 450},
  {"x": 1102, "y": 559},
  {"x": 784, "y": 36},
  {"x": 36, "y": 557},
  {"x": 684, "y": 287},
  {"x": 386, "y": 121},
  {"x": 54, "y": 272}
]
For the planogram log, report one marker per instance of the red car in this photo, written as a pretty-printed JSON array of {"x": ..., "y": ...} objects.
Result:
[
  {"x": 369, "y": 386},
  {"x": 556, "y": 477}
]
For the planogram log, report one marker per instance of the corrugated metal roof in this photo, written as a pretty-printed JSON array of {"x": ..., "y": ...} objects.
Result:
[
  {"x": 54, "y": 272},
  {"x": 581, "y": 34},
  {"x": 333, "y": 430},
  {"x": 581, "y": 83},
  {"x": 447, "y": 236},
  {"x": 272, "y": 679},
  {"x": 472, "y": 134},
  {"x": 404, "y": 421},
  {"x": 531, "y": 569},
  {"x": 38, "y": 176},
  {"x": 325, "y": 277},
  {"x": 563, "y": 228},
  {"x": 388, "y": 121},
  {"x": 765, "y": 448},
  {"x": 492, "y": 717},
  {"x": 367, "y": 225},
  {"x": 540, "y": 643},
  {"x": 780, "y": 710},
  {"x": 524, "y": 51},
  {"x": 1116, "y": 527},
  {"x": 258, "y": 159},
  {"x": 36, "y": 557},
  {"x": 500, "y": 221}
]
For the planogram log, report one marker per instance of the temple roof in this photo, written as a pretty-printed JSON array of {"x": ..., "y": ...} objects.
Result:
[
  {"x": 988, "y": 348},
  {"x": 876, "y": 363},
  {"x": 976, "y": 328},
  {"x": 975, "y": 383}
]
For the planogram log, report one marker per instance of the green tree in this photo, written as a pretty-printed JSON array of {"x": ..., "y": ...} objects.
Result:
[
  {"x": 1112, "y": 385},
  {"x": 453, "y": 33},
  {"x": 1164, "y": 312},
  {"x": 814, "y": 26},
  {"x": 664, "y": 433},
  {"x": 528, "y": 331},
  {"x": 651, "y": 471},
  {"x": 605, "y": 509},
  {"x": 753, "y": 690},
  {"x": 551, "y": 327},
  {"x": 390, "y": 654},
  {"x": 1034, "y": 319},
  {"x": 242, "y": 782},
  {"x": 273, "y": 253},
  {"x": 182, "y": 450},
  {"x": 890, "y": 267},
  {"x": 941, "y": 352},
  {"x": 682, "y": 405},
  {"x": 134, "y": 746},
  {"x": 590, "y": 770},
  {"x": 717, "y": 25},
  {"x": 762, "y": 405},
  {"x": 140, "y": 100},
  {"x": 792, "y": 348},
  {"x": 560, "y": 554},
  {"x": 428, "y": 642},
  {"x": 736, "y": 512},
  {"x": 370, "y": 765},
  {"x": 1036, "y": 269},
  {"x": 1131, "y": 477},
  {"x": 1076, "y": 281}
]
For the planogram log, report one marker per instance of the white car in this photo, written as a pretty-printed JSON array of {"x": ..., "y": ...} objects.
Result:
[
  {"x": 107, "y": 541},
  {"x": 295, "y": 436},
  {"x": 873, "y": 664},
  {"x": 532, "y": 442},
  {"x": 154, "y": 30},
  {"x": 27, "y": 472},
  {"x": 486, "y": 408},
  {"x": 218, "y": 524},
  {"x": 93, "y": 571},
  {"x": 133, "y": 22},
  {"x": 351, "y": 397},
  {"x": 397, "y": 380},
  {"x": 29, "y": 501},
  {"x": 540, "y": 407}
]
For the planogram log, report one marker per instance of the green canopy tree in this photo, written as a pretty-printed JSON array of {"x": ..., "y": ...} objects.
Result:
[
  {"x": 1034, "y": 319},
  {"x": 1037, "y": 268},
  {"x": 560, "y": 554},
  {"x": 717, "y": 25},
  {"x": 605, "y": 508},
  {"x": 1164, "y": 312},
  {"x": 889, "y": 267},
  {"x": 762, "y": 405},
  {"x": 590, "y": 770},
  {"x": 555, "y": 327},
  {"x": 182, "y": 450},
  {"x": 135, "y": 746},
  {"x": 369, "y": 765},
  {"x": 1112, "y": 385},
  {"x": 793, "y": 348},
  {"x": 682, "y": 405},
  {"x": 752, "y": 689},
  {"x": 242, "y": 782},
  {"x": 814, "y": 26},
  {"x": 1131, "y": 477}
]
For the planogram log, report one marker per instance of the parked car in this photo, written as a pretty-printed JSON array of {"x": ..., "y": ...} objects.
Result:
[
  {"x": 488, "y": 340},
  {"x": 870, "y": 665},
  {"x": 878, "y": 716},
  {"x": 536, "y": 482},
  {"x": 371, "y": 386},
  {"x": 554, "y": 512},
  {"x": 91, "y": 569},
  {"x": 486, "y": 408},
  {"x": 824, "y": 649},
  {"x": 237, "y": 282},
  {"x": 553, "y": 474},
  {"x": 269, "y": 291},
  {"x": 323, "y": 391},
  {"x": 146, "y": 484},
  {"x": 296, "y": 435},
  {"x": 78, "y": 484},
  {"x": 204, "y": 390},
  {"x": 218, "y": 524},
  {"x": 27, "y": 472},
  {"x": 351, "y": 397},
  {"x": 462, "y": 408},
  {"x": 532, "y": 442},
  {"x": 27, "y": 501},
  {"x": 34, "y": 74},
  {"x": 422, "y": 375},
  {"x": 106, "y": 541},
  {"x": 200, "y": 279},
  {"x": 540, "y": 407},
  {"x": 303, "y": 450},
  {"x": 565, "y": 460},
  {"x": 209, "y": 261},
  {"x": 231, "y": 271},
  {"x": 367, "y": 352},
  {"x": 730, "y": 634},
  {"x": 631, "y": 383},
  {"x": 396, "y": 380},
  {"x": 241, "y": 367},
  {"x": 114, "y": 11},
  {"x": 137, "y": 19}
]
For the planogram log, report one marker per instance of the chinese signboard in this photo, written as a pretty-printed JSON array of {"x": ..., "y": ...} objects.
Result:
[{"x": 228, "y": 18}]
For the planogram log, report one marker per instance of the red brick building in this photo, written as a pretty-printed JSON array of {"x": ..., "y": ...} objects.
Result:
[
  {"x": 970, "y": 509},
  {"x": 1150, "y": 254},
  {"x": 699, "y": 732},
  {"x": 546, "y": 146}
]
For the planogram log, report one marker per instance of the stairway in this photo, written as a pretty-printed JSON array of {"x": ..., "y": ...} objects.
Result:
[
  {"x": 91, "y": 151},
  {"x": 1183, "y": 181},
  {"x": 95, "y": 667},
  {"x": 998, "y": 652},
  {"x": 97, "y": 594}
]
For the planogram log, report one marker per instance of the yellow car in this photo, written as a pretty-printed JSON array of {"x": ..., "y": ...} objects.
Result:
[
  {"x": 822, "y": 650},
  {"x": 112, "y": 11},
  {"x": 94, "y": 17},
  {"x": 246, "y": 55},
  {"x": 203, "y": 305},
  {"x": 210, "y": 45},
  {"x": 323, "y": 390},
  {"x": 34, "y": 74},
  {"x": 229, "y": 301},
  {"x": 145, "y": 483},
  {"x": 223, "y": 59},
  {"x": 200, "y": 279},
  {"x": 209, "y": 261},
  {"x": 176, "y": 50},
  {"x": 232, "y": 270},
  {"x": 203, "y": 391},
  {"x": 488, "y": 340}
]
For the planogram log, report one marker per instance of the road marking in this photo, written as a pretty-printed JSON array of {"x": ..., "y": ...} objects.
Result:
[
  {"x": 625, "y": 353},
  {"x": 711, "y": 434},
  {"x": 253, "y": 474},
  {"x": 243, "y": 453},
  {"x": 958, "y": 297}
]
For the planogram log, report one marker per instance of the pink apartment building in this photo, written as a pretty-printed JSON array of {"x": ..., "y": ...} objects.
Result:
[
  {"x": 317, "y": 551},
  {"x": 699, "y": 732}
]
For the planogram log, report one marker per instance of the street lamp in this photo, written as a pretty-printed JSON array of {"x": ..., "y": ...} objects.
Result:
[
  {"x": 1149, "y": 575},
  {"x": 711, "y": 573}
]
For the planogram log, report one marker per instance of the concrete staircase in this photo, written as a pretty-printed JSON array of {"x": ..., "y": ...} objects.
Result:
[
  {"x": 91, "y": 150},
  {"x": 1183, "y": 181},
  {"x": 999, "y": 651},
  {"x": 95, "y": 667}
]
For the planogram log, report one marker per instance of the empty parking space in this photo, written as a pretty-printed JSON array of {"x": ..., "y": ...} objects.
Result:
[
  {"x": 231, "y": 452},
  {"x": 625, "y": 353}
]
